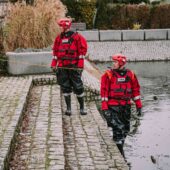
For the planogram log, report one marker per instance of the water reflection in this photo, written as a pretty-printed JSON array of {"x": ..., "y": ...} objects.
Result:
[{"x": 148, "y": 148}]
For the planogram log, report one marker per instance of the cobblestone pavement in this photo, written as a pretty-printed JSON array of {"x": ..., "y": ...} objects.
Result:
[
  {"x": 134, "y": 50},
  {"x": 51, "y": 140},
  {"x": 13, "y": 93},
  {"x": 47, "y": 138},
  {"x": 88, "y": 142},
  {"x": 40, "y": 144},
  {"x": 91, "y": 77}
]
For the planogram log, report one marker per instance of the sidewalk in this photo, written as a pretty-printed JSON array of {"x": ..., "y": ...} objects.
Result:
[
  {"x": 13, "y": 94},
  {"x": 48, "y": 139}
]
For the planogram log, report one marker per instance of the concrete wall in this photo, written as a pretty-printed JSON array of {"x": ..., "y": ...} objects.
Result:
[
  {"x": 90, "y": 35},
  {"x": 29, "y": 62},
  {"x": 156, "y": 34},
  {"x": 137, "y": 45},
  {"x": 133, "y": 35},
  {"x": 168, "y": 34},
  {"x": 126, "y": 35},
  {"x": 110, "y": 35}
]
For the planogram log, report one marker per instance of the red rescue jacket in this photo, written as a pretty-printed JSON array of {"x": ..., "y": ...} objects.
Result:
[
  {"x": 117, "y": 89},
  {"x": 69, "y": 50}
]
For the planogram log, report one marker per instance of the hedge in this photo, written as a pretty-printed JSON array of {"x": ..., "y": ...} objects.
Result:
[
  {"x": 125, "y": 16},
  {"x": 119, "y": 16},
  {"x": 85, "y": 11}
]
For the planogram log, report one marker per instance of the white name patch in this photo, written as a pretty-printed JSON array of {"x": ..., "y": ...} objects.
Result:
[
  {"x": 65, "y": 41},
  {"x": 121, "y": 79}
]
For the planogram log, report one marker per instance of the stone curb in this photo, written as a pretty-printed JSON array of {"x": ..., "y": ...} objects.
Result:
[
  {"x": 13, "y": 130},
  {"x": 11, "y": 133}
]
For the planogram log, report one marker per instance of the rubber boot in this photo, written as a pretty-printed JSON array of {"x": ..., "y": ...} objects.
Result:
[
  {"x": 120, "y": 147},
  {"x": 81, "y": 102},
  {"x": 68, "y": 104}
]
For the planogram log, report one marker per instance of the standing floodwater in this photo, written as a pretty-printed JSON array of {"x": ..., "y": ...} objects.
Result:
[{"x": 148, "y": 148}]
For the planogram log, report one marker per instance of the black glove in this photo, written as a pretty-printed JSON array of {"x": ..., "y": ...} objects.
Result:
[
  {"x": 107, "y": 114},
  {"x": 139, "y": 111}
]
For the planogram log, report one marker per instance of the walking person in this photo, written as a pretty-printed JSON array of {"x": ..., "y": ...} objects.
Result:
[
  {"x": 119, "y": 86},
  {"x": 69, "y": 50}
]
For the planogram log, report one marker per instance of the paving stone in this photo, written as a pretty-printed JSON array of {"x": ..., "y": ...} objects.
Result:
[
  {"x": 135, "y": 50},
  {"x": 52, "y": 139},
  {"x": 13, "y": 94}
]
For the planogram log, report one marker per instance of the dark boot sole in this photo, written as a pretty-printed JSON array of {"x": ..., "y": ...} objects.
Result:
[
  {"x": 83, "y": 113},
  {"x": 68, "y": 113}
]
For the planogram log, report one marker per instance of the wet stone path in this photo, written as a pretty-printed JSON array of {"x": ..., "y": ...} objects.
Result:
[
  {"x": 51, "y": 140},
  {"x": 13, "y": 94},
  {"x": 40, "y": 144},
  {"x": 35, "y": 134},
  {"x": 87, "y": 141}
]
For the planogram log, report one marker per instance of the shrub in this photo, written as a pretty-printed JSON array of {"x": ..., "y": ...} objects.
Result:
[
  {"x": 121, "y": 16},
  {"x": 87, "y": 10},
  {"x": 3, "y": 59},
  {"x": 103, "y": 17},
  {"x": 32, "y": 26},
  {"x": 1, "y": 42},
  {"x": 136, "y": 26},
  {"x": 84, "y": 11},
  {"x": 160, "y": 15},
  {"x": 138, "y": 14}
]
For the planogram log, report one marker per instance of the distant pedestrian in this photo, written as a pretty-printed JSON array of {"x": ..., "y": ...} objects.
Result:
[
  {"x": 118, "y": 86},
  {"x": 69, "y": 51}
]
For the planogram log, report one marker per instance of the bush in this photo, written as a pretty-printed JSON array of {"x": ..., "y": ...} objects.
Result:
[
  {"x": 84, "y": 11},
  {"x": 121, "y": 16},
  {"x": 2, "y": 51},
  {"x": 160, "y": 15},
  {"x": 3, "y": 59},
  {"x": 138, "y": 14},
  {"x": 32, "y": 26},
  {"x": 87, "y": 10}
]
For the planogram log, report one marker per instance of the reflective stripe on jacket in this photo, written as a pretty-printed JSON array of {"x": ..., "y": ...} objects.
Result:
[
  {"x": 69, "y": 51},
  {"x": 117, "y": 89}
]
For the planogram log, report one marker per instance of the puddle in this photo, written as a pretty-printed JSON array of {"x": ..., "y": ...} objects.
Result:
[{"x": 148, "y": 148}]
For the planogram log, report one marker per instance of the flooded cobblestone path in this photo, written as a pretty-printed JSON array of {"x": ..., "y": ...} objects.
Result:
[
  {"x": 148, "y": 148},
  {"x": 51, "y": 140},
  {"x": 40, "y": 144}
]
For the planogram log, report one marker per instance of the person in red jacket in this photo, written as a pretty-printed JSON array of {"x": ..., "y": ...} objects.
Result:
[
  {"x": 69, "y": 50},
  {"x": 119, "y": 86}
]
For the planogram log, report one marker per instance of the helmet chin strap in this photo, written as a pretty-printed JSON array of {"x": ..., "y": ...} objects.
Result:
[
  {"x": 120, "y": 67},
  {"x": 117, "y": 68},
  {"x": 65, "y": 30}
]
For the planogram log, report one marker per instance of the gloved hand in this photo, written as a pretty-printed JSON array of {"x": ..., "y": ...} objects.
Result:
[
  {"x": 139, "y": 111},
  {"x": 54, "y": 69},
  {"x": 79, "y": 71},
  {"x": 107, "y": 115}
]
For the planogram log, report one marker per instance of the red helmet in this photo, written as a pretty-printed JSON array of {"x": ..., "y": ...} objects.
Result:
[
  {"x": 64, "y": 23},
  {"x": 120, "y": 58}
]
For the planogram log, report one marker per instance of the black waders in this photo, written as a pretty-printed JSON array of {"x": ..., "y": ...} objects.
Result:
[
  {"x": 68, "y": 104},
  {"x": 81, "y": 102}
]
